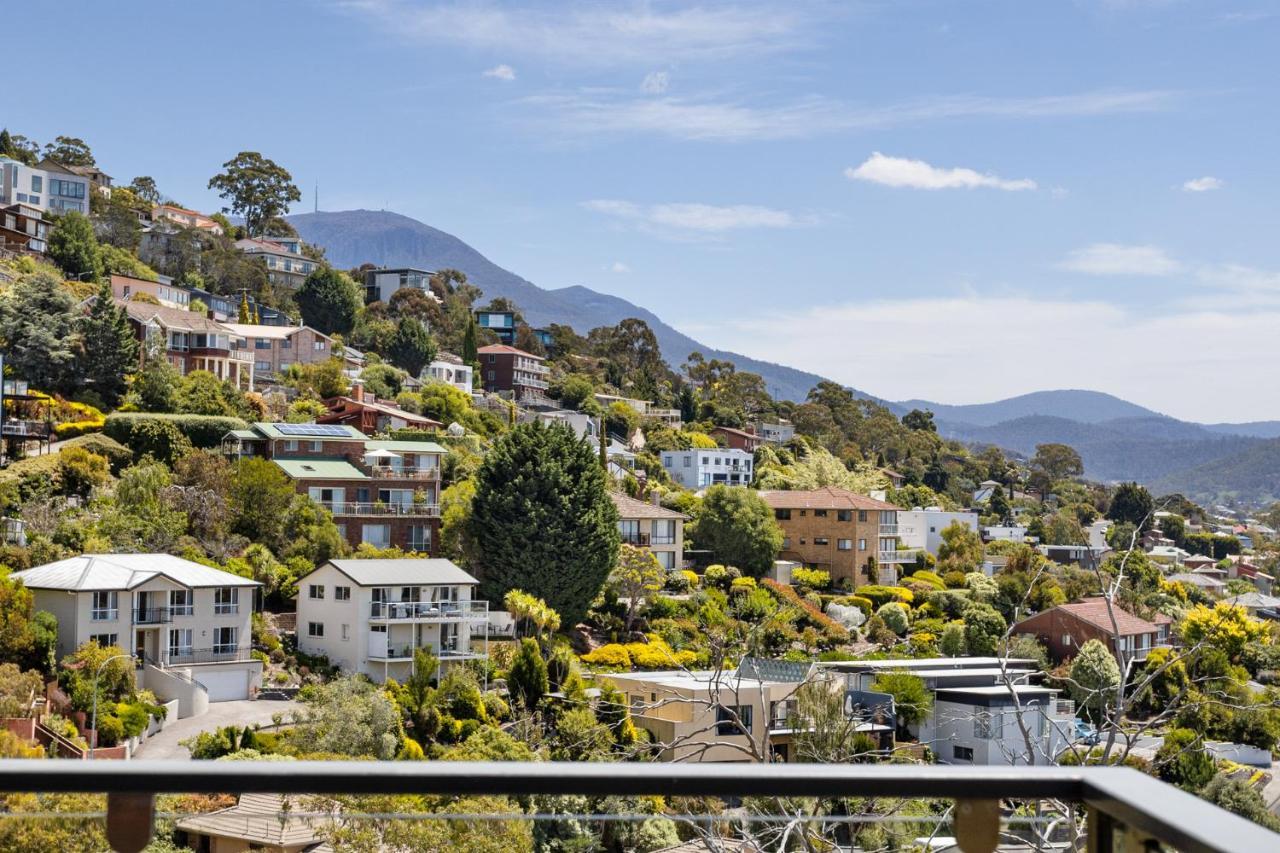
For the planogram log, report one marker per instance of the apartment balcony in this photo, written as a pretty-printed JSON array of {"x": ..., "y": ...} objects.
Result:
[
  {"x": 1094, "y": 809},
  {"x": 429, "y": 611},
  {"x": 386, "y": 472},
  {"x": 896, "y": 557},
  {"x": 403, "y": 652},
  {"x": 888, "y": 530},
  {"x": 380, "y": 509},
  {"x": 217, "y": 654},
  {"x": 530, "y": 382},
  {"x": 151, "y": 615},
  {"x": 638, "y": 539}
]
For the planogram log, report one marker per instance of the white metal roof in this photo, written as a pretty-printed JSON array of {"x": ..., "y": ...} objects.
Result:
[
  {"x": 89, "y": 572},
  {"x": 407, "y": 572}
]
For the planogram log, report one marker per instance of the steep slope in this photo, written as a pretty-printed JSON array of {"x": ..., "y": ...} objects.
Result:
[
  {"x": 354, "y": 237},
  {"x": 1085, "y": 406}
]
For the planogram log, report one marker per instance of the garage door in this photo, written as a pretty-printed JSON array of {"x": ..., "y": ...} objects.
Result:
[{"x": 224, "y": 685}]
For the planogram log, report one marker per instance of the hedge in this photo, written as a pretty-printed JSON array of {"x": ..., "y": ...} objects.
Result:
[
  {"x": 201, "y": 430},
  {"x": 117, "y": 454}
]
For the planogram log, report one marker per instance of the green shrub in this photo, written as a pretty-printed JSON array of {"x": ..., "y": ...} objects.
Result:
[
  {"x": 929, "y": 578},
  {"x": 881, "y": 595},
  {"x": 200, "y": 430},
  {"x": 895, "y": 616},
  {"x": 742, "y": 584},
  {"x": 110, "y": 730},
  {"x": 719, "y": 577},
  {"x": 861, "y": 602},
  {"x": 812, "y": 578}
]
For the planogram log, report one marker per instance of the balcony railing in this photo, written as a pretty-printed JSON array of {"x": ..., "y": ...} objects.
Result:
[
  {"x": 632, "y": 538},
  {"x": 217, "y": 654},
  {"x": 385, "y": 472},
  {"x": 897, "y": 556},
  {"x": 1122, "y": 808},
  {"x": 150, "y": 615},
  {"x": 378, "y": 508},
  {"x": 888, "y": 530},
  {"x": 429, "y": 610}
]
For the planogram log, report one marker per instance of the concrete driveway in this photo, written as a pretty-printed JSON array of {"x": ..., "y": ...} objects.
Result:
[{"x": 165, "y": 745}]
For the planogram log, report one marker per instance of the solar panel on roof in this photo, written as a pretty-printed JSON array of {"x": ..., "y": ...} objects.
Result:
[{"x": 312, "y": 429}]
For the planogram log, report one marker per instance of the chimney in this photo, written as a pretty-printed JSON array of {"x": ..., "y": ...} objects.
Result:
[
  {"x": 357, "y": 391},
  {"x": 655, "y": 498}
]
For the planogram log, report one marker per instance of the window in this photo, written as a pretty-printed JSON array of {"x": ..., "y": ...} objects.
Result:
[
  {"x": 315, "y": 629},
  {"x": 105, "y": 640},
  {"x": 316, "y": 446},
  {"x": 37, "y": 184},
  {"x": 821, "y": 540},
  {"x": 984, "y": 725},
  {"x": 106, "y": 606},
  {"x": 844, "y": 544},
  {"x": 378, "y": 535},
  {"x": 782, "y": 514},
  {"x": 224, "y": 640},
  {"x": 733, "y": 720},
  {"x": 1066, "y": 639},
  {"x": 226, "y": 600},
  {"x": 261, "y": 343},
  {"x": 819, "y": 513},
  {"x": 844, "y": 515},
  {"x": 181, "y": 602},
  {"x": 346, "y": 631},
  {"x": 342, "y": 593},
  {"x": 862, "y": 516},
  {"x": 319, "y": 346},
  {"x": 688, "y": 461},
  {"x": 862, "y": 544},
  {"x": 962, "y": 753},
  {"x": 180, "y": 642},
  {"x": 493, "y": 359},
  {"x": 316, "y": 591},
  {"x": 291, "y": 445}
]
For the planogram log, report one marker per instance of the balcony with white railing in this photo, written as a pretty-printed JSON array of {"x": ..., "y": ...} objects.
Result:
[
  {"x": 450, "y": 650},
  {"x": 377, "y": 508},
  {"x": 898, "y": 556},
  {"x": 429, "y": 611},
  {"x": 888, "y": 530}
]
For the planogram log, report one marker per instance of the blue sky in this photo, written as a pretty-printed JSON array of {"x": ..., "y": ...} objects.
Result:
[{"x": 959, "y": 201}]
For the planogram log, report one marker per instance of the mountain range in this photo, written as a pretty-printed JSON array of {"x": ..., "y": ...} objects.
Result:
[{"x": 1117, "y": 439}]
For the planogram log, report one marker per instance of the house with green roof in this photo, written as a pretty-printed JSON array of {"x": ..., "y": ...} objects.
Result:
[{"x": 382, "y": 492}]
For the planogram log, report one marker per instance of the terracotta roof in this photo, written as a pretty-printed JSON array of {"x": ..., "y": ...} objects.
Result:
[
  {"x": 345, "y": 406},
  {"x": 629, "y": 507},
  {"x": 1094, "y": 611},
  {"x": 742, "y": 432},
  {"x": 503, "y": 348},
  {"x": 827, "y": 497},
  {"x": 172, "y": 318}
]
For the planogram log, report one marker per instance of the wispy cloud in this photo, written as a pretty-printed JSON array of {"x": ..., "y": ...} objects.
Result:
[
  {"x": 619, "y": 267},
  {"x": 655, "y": 82},
  {"x": 718, "y": 118},
  {"x": 1202, "y": 185},
  {"x": 603, "y": 35},
  {"x": 684, "y": 217},
  {"x": 501, "y": 72},
  {"x": 1122, "y": 260},
  {"x": 919, "y": 175}
]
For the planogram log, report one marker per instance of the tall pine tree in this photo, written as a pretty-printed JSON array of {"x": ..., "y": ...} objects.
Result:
[
  {"x": 470, "y": 352},
  {"x": 412, "y": 347},
  {"x": 109, "y": 347}
]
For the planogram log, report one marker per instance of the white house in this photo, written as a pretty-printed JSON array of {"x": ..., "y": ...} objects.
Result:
[
  {"x": 47, "y": 186},
  {"x": 450, "y": 368},
  {"x": 369, "y": 616},
  {"x": 700, "y": 468},
  {"x": 922, "y": 527},
  {"x": 187, "y": 623}
]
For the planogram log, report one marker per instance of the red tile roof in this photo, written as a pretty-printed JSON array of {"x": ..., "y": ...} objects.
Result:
[
  {"x": 827, "y": 497},
  {"x": 629, "y": 507},
  {"x": 503, "y": 348},
  {"x": 1094, "y": 611}
]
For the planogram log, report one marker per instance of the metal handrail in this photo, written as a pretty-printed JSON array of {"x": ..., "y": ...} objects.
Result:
[{"x": 1115, "y": 795}]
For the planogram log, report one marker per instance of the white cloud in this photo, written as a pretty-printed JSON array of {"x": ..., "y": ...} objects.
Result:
[
  {"x": 501, "y": 72},
  {"x": 619, "y": 267},
  {"x": 581, "y": 33},
  {"x": 655, "y": 82},
  {"x": 919, "y": 175},
  {"x": 715, "y": 118},
  {"x": 1129, "y": 354},
  {"x": 695, "y": 217},
  {"x": 1202, "y": 185},
  {"x": 1119, "y": 259}
]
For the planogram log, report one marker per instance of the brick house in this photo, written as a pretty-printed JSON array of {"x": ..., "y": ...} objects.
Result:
[
  {"x": 738, "y": 439},
  {"x": 368, "y": 414},
  {"x": 651, "y": 526},
  {"x": 510, "y": 371},
  {"x": 190, "y": 341},
  {"x": 385, "y": 493},
  {"x": 1067, "y": 627},
  {"x": 841, "y": 532},
  {"x": 275, "y": 348}
]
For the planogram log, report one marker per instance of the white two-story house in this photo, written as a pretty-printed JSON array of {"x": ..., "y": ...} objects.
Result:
[
  {"x": 188, "y": 625},
  {"x": 703, "y": 467},
  {"x": 369, "y": 616}
]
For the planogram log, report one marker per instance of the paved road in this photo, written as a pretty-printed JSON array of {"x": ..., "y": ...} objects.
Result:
[{"x": 247, "y": 712}]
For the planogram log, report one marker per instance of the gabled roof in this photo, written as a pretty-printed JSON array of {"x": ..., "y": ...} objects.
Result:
[
  {"x": 172, "y": 318},
  {"x": 272, "y": 430},
  {"x": 629, "y": 507},
  {"x": 89, "y": 572},
  {"x": 261, "y": 330},
  {"x": 404, "y": 446},
  {"x": 407, "y": 572},
  {"x": 260, "y": 819},
  {"x": 342, "y": 407},
  {"x": 827, "y": 497},
  {"x": 1255, "y": 599},
  {"x": 503, "y": 348},
  {"x": 1094, "y": 612},
  {"x": 735, "y": 431}
]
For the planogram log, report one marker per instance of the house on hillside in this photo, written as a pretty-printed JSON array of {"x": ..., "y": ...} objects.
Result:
[
  {"x": 46, "y": 186},
  {"x": 738, "y": 439},
  {"x": 513, "y": 372},
  {"x": 370, "y": 415},
  {"x": 267, "y": 823},
  {"x": 705, "y": 467},
  {"x": 649, "y": 525},
  {"x": 182, "y": 620},
  {"x": 286, "y": 265},
  {"x": 191, "y": 341},
  {"x": 775, "y": 432},
  {"x": 451, "y": 370},
  {"x": 382, "y": 283},
  {"x": 385, "y": 493},
  {"x": 501, "y": 323},
  {"x": 23, "y": 229},
  {"x": 841, "y": 532},
  {"x": 369, "y": 616},
  {"x": 276, "y": 348},
  {"x": 1067, "y": 627},
  {"x": 921, "y": 528}
]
